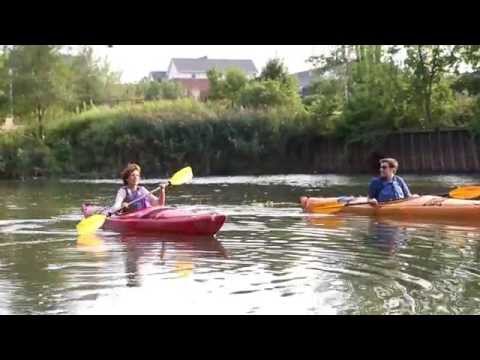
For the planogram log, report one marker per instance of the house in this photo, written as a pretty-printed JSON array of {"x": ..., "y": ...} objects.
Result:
[
  {"x": 158, "y": 75},
  {"x": 192, "y": 73},
  {"x": 181, "y": 68},
  {"x": 305, "y": 79}
]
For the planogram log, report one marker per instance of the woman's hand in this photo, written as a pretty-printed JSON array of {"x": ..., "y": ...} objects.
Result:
[{"x": 124, "y": 205}]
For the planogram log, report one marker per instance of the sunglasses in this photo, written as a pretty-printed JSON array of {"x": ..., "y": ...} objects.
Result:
[{"x": 383, "y": 167}]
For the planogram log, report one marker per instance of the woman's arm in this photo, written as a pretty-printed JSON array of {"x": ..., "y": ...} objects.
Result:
[
  {"x": 121, "y": 195},
  {"x": 157, "y": 201}
]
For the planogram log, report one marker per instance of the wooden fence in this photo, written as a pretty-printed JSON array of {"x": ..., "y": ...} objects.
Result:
[{"x": 442, "y": 151}]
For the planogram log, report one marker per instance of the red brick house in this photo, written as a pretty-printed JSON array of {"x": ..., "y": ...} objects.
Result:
[{"x": 192, "y": 73}]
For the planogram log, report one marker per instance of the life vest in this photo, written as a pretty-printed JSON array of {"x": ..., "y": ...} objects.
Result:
[{"x": 132, "y": 196}]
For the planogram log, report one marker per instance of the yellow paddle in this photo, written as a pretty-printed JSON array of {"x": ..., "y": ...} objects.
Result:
[
  {"x": 462, "y": 192},
  {"x": 94, "y": 222},
  {"x": 468, "y": 192},
  {"x": 332, "y": 207}
]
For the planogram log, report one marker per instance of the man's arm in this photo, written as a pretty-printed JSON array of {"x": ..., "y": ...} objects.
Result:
[
  {"x": 372, "y": 192},
  {"x": 406, "y": 190}
]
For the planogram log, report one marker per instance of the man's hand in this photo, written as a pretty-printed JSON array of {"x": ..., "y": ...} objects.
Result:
[{"x": 373, "y": 202}]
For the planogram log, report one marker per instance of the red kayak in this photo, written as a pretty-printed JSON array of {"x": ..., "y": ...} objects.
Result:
[{"x": 159, "y": 219}]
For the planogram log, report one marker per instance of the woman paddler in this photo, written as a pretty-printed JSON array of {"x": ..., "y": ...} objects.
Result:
[{"x": 132, "y": 191}]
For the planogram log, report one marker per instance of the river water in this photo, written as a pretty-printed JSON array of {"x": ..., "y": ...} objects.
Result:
[{"x": 269, "y": 258}]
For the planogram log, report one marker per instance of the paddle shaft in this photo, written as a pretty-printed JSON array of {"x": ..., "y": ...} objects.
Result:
[
  {"x": 368, "y": 203},
  {"x": 360, "y": 203}
]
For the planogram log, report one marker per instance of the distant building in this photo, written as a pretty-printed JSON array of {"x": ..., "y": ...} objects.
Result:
[
  {"x": 305, "y": 80},
  {"x": 192, "y": 73},
  {"x": 158, "y": 75},
  {"x": 198, "y": 68}
]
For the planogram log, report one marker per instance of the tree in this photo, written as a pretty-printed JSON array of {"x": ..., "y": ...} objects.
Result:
[
  {"x": 274, "y": 70},
  {"x": 343, "y": 58},
  {"x": 270, "y": 93},
  {"x": 378, "y": 103},
  {"x": 171, "y": 90},
  {"x": 326, "y": 104},
  {"x": 226, "y": 85},
  {"x": 235, "y": 82},
  {"x": 470, "y": 54},
  {"x": 217, "y": 91},
  {"x": 41, "y": 79},
  {"x": 274, "y": 87},
  {"x": 339, "y": 63},
  {"x": 4, "y": 83},
  {"x": 469, "y": 83},
  {"x": 154, "y": 90},
  {"x": 367, "y": 94},
  {"x": 427, "y": 64},
  {"x": 88, "y": 77},
  {"x": 261, "y": 94}
]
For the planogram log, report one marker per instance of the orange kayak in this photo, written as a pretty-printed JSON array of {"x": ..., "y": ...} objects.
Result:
[{"x": 427, "y": 206}]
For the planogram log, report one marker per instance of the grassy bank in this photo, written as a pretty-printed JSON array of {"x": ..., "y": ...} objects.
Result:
[{"x": 162, "y": 136}]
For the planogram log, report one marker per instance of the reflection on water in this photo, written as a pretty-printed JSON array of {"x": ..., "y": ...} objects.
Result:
[
  {"x": 269, "y": 258},
  {"x": 384, "y": 235},
  {"x": 174, "y": 251}
]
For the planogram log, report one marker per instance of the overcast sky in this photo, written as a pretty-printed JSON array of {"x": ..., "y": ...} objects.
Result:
[{"x": 136, "y": 61}]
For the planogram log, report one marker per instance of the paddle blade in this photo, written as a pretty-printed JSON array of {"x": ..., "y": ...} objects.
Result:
[
  {"x": 182, "y": 176},
  {"x": 90, "y": 224},
  {"x": 184, "y": 268},
  {"x": 327, "y": 208},
  {"x": 466, "y": 192}
]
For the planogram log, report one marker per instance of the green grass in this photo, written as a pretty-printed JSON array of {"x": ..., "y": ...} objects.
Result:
[{"x": 161, "y": 135}]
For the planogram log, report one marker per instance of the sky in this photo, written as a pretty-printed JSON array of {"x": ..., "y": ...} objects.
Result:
[{"x": 136, "y": 61}]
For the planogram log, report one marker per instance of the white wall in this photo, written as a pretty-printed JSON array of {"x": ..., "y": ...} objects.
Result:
[
  {"x": 173, "y": 73},
  {"x": 179, "y": 75}
]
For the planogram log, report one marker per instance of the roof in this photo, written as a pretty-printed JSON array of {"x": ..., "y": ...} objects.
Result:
[
  {"x": 158, "y": 75},
  {"x": 203, "y": 64},
  {"x": 305, "y": 78}
]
